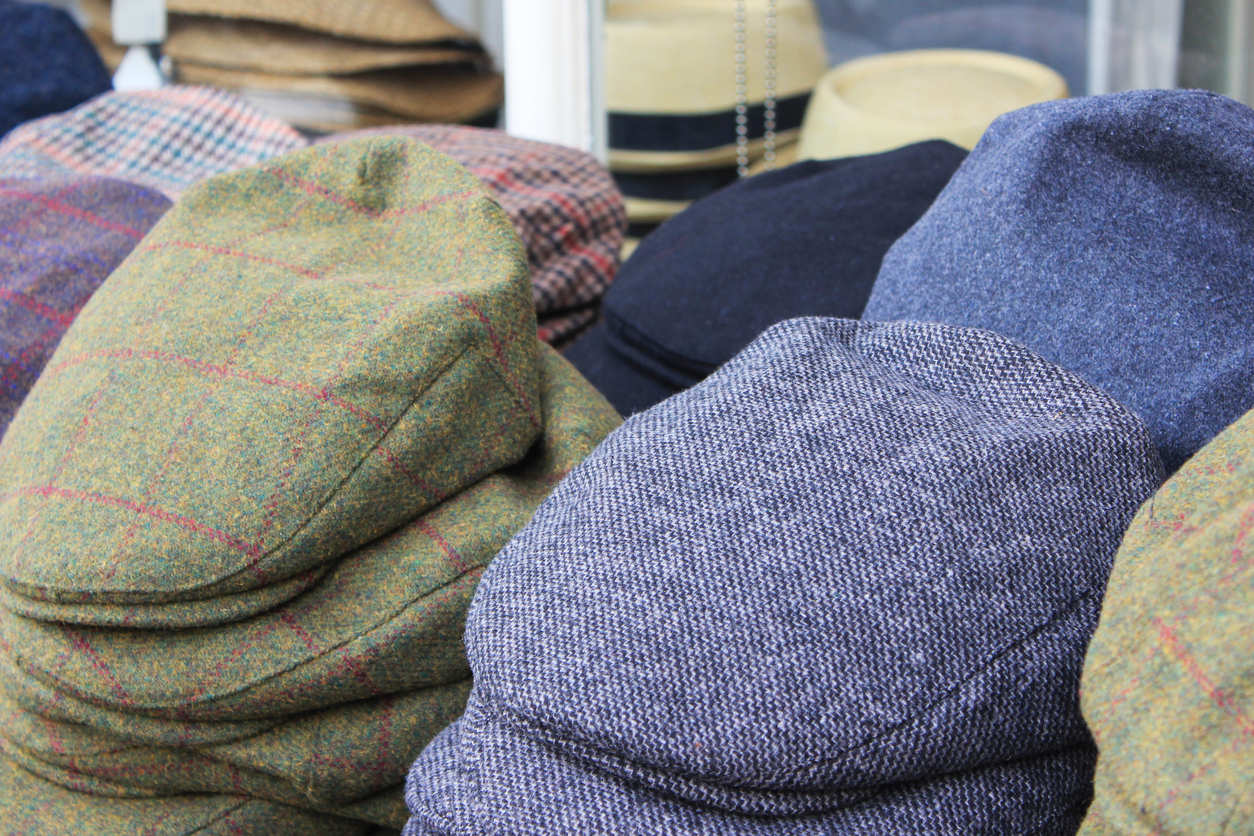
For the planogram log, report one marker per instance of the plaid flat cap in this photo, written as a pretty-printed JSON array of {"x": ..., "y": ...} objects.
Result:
[
  {"x": 49, "y": 64},
  {"x": 256, "y": 487},
  {"x": 842, "y": 586},
  {"x": 564, "y": 204},
  {"x": 1111, "y": 234},
  {"x": 165, "y": 139},
  {"x": 1168, "y": 687},
  {"x": 61, "y": 237}
]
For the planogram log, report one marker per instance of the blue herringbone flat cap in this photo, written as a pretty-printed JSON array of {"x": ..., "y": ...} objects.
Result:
[
  {"x": 1114, "y": 235},
  {"x": 842, "y": 586}
]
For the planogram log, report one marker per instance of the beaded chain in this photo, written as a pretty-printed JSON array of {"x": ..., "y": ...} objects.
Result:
[
  {"x": 742, "y": 90},
  {"x": 742, "y": 97}
]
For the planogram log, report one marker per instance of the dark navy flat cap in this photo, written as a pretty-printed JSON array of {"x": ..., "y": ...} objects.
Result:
[
  {"x": 842, "y": 586},
  {"x": 1114, "y": 235},
  {"x": 49, "y": 64},
  {"x": 806, "y": 240}
]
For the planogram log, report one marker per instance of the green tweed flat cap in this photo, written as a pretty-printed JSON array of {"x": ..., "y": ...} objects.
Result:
[
  {"x": 298, "y": 359},
  {"x": 253, "y": 495},
  {"x": 1168, "y": 685}
]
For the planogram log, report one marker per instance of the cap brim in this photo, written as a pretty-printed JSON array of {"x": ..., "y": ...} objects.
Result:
[
  {"x": 482, "y": 776},
  {"x": 624, "y": 384},
  {"x": 32, "y": 806}
]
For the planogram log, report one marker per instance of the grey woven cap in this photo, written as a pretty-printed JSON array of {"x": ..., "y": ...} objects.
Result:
[{"x": 846, "y": 582}]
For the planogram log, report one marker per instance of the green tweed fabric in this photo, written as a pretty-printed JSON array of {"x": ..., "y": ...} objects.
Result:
[
  {"x": 151, "y": 670},
  {"x": 281, "y": 371},
  {"x": 1168, "y": 684},
  {"x": 34, "y": 807}
]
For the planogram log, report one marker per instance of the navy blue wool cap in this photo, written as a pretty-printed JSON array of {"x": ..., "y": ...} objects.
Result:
[
  {"x": 49, "y": 64},
  {"x": 806, "y": 240},
  {"x": 842, "y": 586},
  {"x": 1114, "y": 235}
]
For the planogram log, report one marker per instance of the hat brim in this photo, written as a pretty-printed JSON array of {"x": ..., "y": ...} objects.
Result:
[
  {"x": 483, "y": 776},
  {"x": 625, "y": 385}
]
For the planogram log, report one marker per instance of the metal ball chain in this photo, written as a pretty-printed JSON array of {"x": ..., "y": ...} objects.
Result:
[
  {"x": 742, "y": 97},
  {"x": 769, "y": 135}
]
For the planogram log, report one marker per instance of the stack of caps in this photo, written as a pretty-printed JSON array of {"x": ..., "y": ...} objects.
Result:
[
  {"x": 328, "y": 66},
  {"x": 253, "y": 492},
  {"x": 671, "y": 93},
  {"x": 844, "y": 585}
]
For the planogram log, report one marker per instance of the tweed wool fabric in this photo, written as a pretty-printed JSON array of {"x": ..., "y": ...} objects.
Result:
[
  {"x": 165, "y": 139},
  {"x": 843, "y": 585},
  {"x": 366, "y": 296},
  {"x": 338, "y": 346},
  {"x": 806, "y": 240},
  {"x": 1111, "y": 234},
  {"x": 562, "y": 202},
  {"x": 33, "y": 807},
  {"x": 49, "y": 64},
  {"x": 1167, "y": 680},
  {"x": 60, "y": 237}
]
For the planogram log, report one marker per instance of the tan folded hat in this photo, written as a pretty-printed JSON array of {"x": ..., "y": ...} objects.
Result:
[
  {"x": 671, "y": 78},
  {"x": 390, "y": 21},
  {"x": 412, "y": 94},
  {"x": 290, "y": 50},
  {"x": 885, "y": 101},
  {"x": 393, "y": 21}
]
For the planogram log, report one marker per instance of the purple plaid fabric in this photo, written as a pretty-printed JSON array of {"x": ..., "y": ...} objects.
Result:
[
  {"x": 59, "y": 239},
  {"x": 164, "y": 139},
  {"x": 563, "y": 203}
]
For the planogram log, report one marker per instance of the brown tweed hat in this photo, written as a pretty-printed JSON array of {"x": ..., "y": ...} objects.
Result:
[
  {"x": 457, "y": 93},
  {"x": 279, "y": 48},
  {"x": 392, "y": 21},
  {"x": 254, "y": 491}
]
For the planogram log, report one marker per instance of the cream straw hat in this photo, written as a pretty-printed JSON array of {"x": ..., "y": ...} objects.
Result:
[{"x": 886, "y": 101}]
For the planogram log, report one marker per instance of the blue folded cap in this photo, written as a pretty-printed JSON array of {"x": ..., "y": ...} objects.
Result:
[
  {"x": 1114, "y": 235},
  {"x": 49, "y": 64},
  {"x": 806, "y": 240},
  {"x": 844, "y": 583}
]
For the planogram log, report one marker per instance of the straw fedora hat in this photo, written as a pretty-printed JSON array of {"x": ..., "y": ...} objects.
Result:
[
  {"x": 283, "y": 49},
  {"x": 671, "y": 79},
  {"x": 885, "y": 101}
]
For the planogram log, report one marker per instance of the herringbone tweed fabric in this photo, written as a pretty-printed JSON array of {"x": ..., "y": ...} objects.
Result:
[
  {"x": 59, "y": 238},
  {"x": 167, "y": 139},
  {"x": 258, "y": 483},
  {"x": 842, "y": 586},
  {"x": 564, "y": 204},
  {"x": 1168, "y": 687}
]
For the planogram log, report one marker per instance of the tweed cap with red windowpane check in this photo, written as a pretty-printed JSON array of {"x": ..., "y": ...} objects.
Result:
[
  {"x": 1168, "y": 686},
  {"x": 59, "y": 238},
  {"x": 167, "y": 139},
  {"x": 254, "y": 490},
  {"x": 564, "y": 205}
]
